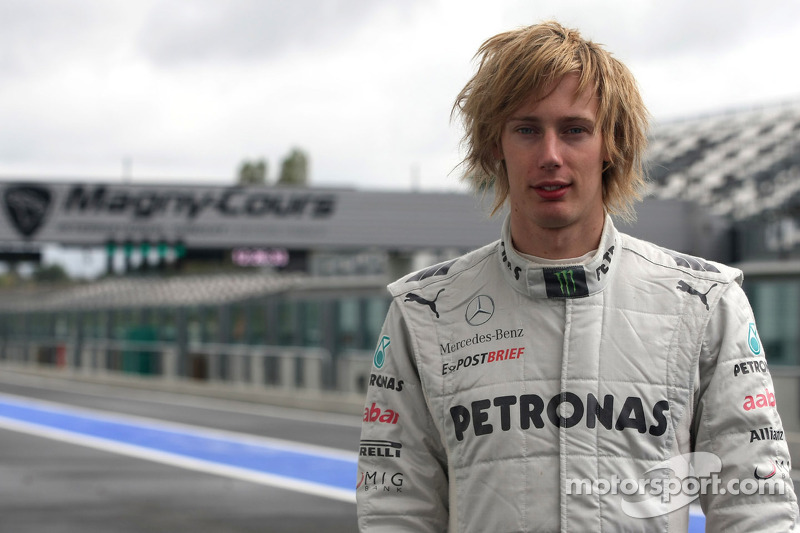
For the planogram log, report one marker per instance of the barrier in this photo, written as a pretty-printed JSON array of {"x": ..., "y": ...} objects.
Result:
[
  {"x": 258, "y": 366},
  {"x": 353, "y": 371}
]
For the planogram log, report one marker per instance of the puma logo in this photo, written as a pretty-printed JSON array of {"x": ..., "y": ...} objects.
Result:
[
  {"x": 411, "y": 297},
  {"x": 685, "y": 287}
]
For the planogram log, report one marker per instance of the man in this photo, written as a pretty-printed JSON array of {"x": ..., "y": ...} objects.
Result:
[{"x": 567, "y": 354}]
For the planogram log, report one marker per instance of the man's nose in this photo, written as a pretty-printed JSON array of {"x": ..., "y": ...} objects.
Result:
[{"x": 550, "y": 155}]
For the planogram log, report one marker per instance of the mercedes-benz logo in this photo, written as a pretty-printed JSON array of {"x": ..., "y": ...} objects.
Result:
[{"x": 479, "y": 310}]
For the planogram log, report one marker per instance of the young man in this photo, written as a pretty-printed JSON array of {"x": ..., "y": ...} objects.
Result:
[{"x": 567, "y": 355}]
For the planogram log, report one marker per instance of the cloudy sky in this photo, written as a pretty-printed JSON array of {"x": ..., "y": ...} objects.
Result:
[{"x": 185, "y": 90}]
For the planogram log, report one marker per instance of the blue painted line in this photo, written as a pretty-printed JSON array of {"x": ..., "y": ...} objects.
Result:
[
  {"x": 697, "y": 523},
  {"x": 306, "y": 466},
  {"x": 335, "y": 472}
]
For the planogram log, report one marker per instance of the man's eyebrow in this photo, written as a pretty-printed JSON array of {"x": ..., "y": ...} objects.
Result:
[{"x": 534, "y": 118}]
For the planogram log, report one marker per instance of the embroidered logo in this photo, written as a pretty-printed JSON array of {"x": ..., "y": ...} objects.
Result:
[
  {"x": 479, "y": 310},
  {"x": 685, "y": 287},
  {"x": 411, "y": 297},
  {"x": 565, "y": 283},
  {"x": 752, "y": 340},
  {"x": 380, "y": 352}
]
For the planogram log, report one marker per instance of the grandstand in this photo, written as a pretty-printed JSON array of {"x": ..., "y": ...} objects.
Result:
[{"x": 741, "y": 165}]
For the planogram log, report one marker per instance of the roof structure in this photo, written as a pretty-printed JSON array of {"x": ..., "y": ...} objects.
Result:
[
  {"x": 740, "y": 164},
  {"x": 178, "y": 291}
]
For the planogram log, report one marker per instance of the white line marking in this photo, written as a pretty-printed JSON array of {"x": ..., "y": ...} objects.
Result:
[
  {"x": 180, "y": 399},
  {"x": 186, "y": 429}
]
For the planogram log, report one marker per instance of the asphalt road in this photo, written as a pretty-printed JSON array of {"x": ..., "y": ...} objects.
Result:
[{"x": 54, "y": 485}]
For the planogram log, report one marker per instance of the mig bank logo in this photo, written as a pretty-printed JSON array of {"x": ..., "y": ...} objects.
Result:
[
  {"x": 380, "y": 352},
  {"x": 565, "y": 283},
  {"x": 26, "y": 206}
]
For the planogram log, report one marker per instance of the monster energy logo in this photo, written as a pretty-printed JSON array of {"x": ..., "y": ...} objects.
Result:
[{"x": 566, "y": 282}]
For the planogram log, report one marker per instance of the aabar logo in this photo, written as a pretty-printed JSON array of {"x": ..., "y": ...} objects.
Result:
[
  {"x": 383, "y": 416},
  {"x": 759, "y": 401},
  {"x": 27, "y": 207}
]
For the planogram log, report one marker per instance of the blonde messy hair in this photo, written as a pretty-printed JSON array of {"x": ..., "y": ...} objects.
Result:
[{"x": 515, "y": 64}]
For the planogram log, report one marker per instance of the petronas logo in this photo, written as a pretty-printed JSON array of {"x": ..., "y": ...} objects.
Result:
[
  {"x": 380, "y": 352},
  {"x": 566, "y": 282},
  {"x": 752, "y": 340}
]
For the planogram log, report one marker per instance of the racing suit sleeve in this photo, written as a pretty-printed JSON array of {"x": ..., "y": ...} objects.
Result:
[
  {"x": 736, "y": 418},
  {"x": 402, "y": 468}
]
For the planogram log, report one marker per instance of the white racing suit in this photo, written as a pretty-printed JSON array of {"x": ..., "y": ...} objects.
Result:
[{"x": 498, "y": 387}]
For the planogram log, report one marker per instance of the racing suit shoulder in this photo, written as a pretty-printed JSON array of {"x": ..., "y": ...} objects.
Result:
[
  {"x": 442, "y": 272},
  {"x": 690, "y": 266}
]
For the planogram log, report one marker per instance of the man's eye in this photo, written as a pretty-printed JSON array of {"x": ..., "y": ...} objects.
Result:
[
  {"x": 576, "y": 129},
  {"x": 524, "y": 130}
]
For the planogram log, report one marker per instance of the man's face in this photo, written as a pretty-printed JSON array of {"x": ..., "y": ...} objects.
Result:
[{"x": 553, "y": 152}]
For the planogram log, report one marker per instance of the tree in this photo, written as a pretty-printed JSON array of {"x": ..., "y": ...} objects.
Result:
[
  {"x": 294, "y": 168},
  {"x": 253, "y": 173},
  {"x": 50, "y": 274}
]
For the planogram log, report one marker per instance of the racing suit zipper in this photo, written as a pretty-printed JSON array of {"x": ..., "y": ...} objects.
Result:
[{"x": 562, "y": 435}]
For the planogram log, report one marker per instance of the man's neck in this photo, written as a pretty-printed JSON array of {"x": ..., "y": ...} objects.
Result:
[{"x": 557, "y": 243}]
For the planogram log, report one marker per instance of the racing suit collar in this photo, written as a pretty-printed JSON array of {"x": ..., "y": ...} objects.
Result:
[{"x": 563, "y": 281}]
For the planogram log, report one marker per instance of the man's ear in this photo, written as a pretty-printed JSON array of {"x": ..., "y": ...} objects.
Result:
[
  {"x": 606, "y": 158},
  {"x": 497, "y": 152}
]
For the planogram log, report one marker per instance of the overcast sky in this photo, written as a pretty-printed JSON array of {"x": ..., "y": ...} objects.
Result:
[{"x": 186, "y": 89}]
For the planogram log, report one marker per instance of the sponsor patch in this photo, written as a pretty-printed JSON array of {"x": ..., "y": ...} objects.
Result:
[
  {"x": 479, "y": 310},
  {"x": 565, "y": 282},
  {"x": 767, "y": 433},
  {"x": 759, "y": 401},
  {"x": 376, "y": 480},
  {"x": 753, "y": 342},
  {"x": 380, "y": 448},
  {"x": 527, "y": 410},
  {"x": 385, "y": 382},
  {"x": 382, "y": 416},
  {"x": 750, "y": 367},
  {"x": 685, "y": 287},
  {"x": 413, "y": 297},
  {"x": 478, "y": 359},
  {"x": 380, "y": 352},
  {"x": 480, "y": 338}
]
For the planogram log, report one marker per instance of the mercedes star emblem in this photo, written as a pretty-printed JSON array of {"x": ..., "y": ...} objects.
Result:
[{"x": 479, "y": 310}]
